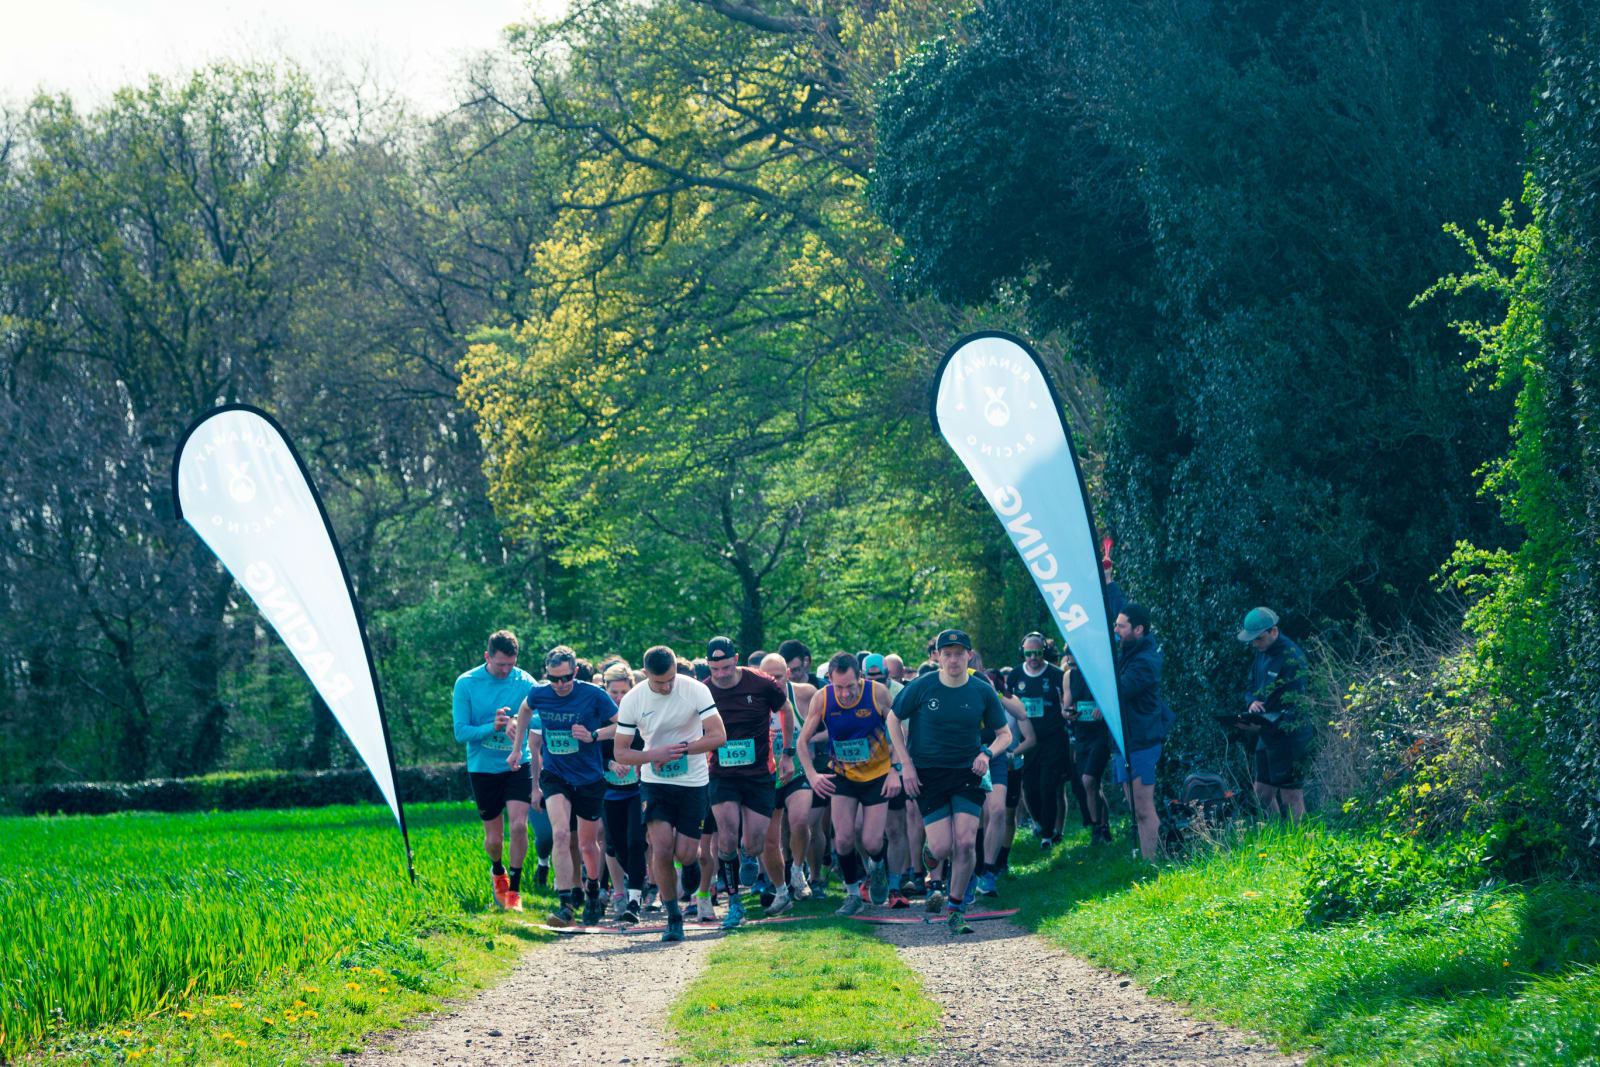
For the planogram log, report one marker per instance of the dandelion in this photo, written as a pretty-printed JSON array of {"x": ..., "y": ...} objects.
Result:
[
  {"x": 1261, "y": 855},
  {"x": 226, "y": 1035},
  {"x": 186, "y": 1015},
  {"x": 383, "y": 989},
  {"x": 207, "y": 1011},
  {"x": 266, "y": 1020},
  {"x": 240, "y": 1044},
  {"x": 289, "y": 1016},
  {"x": 299, "y": 1003},
  {"x": 124, "y": 1033},
  {"x": 351, "y": 985},
  {"x": 137, "y": 1053},
  {"x": 1505, "y": 963},
  {"x": 1251, "y": 893},
  {"x": 376, "y": 970},
  {"x": 311, "y": 1014},
  {"x": 235, "y": 1005},
  {"x": 308, "y": 989}
]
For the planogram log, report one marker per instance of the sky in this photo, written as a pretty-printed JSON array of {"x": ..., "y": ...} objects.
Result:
[{"x": 89, "y": 48}]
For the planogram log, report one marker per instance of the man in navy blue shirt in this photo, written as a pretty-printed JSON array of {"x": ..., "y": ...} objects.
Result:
[
  {"x": 569, "y": 772},
  {"x": 1278, "y": 694}
]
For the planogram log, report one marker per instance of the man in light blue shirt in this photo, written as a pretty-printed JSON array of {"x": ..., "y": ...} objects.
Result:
[{"x": 482, "y": 706}]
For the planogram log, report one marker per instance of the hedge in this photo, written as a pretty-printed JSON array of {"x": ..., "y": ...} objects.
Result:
[{"x": 241, "y": 790}]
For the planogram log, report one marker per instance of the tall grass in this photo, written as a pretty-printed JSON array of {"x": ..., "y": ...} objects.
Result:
[{"x": 114, "y": 917}]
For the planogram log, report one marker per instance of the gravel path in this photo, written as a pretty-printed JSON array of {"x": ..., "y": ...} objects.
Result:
[
  {"x": 1042, "y": 1006},
  {"x": 1038, "y": 1006},
  {"x": 560, "y": 1006}
]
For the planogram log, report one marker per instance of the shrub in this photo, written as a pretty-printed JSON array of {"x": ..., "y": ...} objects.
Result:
[
  {"x": 237, "y": 791},
  {"x": 1347, "y": 878}
]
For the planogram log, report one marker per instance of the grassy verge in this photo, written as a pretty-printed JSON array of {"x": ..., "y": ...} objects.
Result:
[
  {"x": 240, "y": 938},
  {"x": 811, "y": 989},
  {"x": 1497, "y": 976}
]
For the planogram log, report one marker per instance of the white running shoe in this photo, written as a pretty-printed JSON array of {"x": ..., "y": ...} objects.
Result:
[
  {"x": 781, "y": 902},
  {"x": 852, "y": 903},
  {"x": 798, "y": 887}
]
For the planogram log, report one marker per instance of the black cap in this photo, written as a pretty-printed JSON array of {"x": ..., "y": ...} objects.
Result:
[
  {"x": 953, "y": 637},
  {"x": 718, "y": 647}
]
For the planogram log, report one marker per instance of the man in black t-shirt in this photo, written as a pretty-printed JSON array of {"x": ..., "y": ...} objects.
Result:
[
  {"x": 935, "y": 731},
  {"x": 1041, "y": 687}
]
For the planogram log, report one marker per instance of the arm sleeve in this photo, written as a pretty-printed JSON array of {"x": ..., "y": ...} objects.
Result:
[{"x": 461, "y": 716}]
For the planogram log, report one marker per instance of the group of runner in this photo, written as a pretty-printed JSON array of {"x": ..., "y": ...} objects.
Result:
[{"x": 739, "y": 781}]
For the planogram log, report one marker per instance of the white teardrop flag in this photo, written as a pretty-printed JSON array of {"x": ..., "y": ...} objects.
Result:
[{"x": 240, "y": 484}]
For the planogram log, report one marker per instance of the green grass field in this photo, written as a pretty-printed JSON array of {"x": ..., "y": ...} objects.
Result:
[
  {"x": 256, "y": 936},
  {"x": 1504, "y": 975}
]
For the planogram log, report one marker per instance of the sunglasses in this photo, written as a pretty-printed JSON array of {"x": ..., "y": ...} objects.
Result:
[
  {"x": 1032, "y": 653},
  {"x": 558, "y": 679},
  {"x": 874, "y": 674}
]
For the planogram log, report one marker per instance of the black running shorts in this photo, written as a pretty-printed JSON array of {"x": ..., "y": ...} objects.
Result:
[
  {"x": 683, "y": 806},
  {"x": 588, "y": 801},
  {"x": 491, "y": 790},
  {"x": 757, "y": 794},
  {"x": 949, "y": 790}
]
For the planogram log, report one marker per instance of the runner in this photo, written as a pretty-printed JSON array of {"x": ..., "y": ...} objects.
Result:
[
  {"x": 794, "y": 792},
  {"x": 678, "y": 721},
  {"x": 852, "y": 710},
  {"x": 1041, "y": 686},
  {"x": 743, "y": 787},
  {"x": 1091, "y": 748},
  {"x": 566, "y": 714},
  {"x": 943, "y": 764},
  {"x": 624, "y": 811},
  {"x": 480, "y": 709}
]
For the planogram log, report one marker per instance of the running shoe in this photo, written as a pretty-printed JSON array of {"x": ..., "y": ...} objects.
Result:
[
  {"x": 630, "y": 912},
  {"x": 619, "y": 904},
  {"x": 782, "y": 901},
  {"x": 691, "y": 910},
  {"x": 958, "y": 922},
  {"x": 562, "y": 917},
  {"x": 541, "y": 876},
  {"x": 1047, "y": 845},
  {"x": 971, "y": 893},
  {"x": 798, "y": 887},
  {"x": 651, "y": 899},
  {"x": 878, "y": 872},
  {"x": 853, "y": 905},
  {"x": 935, "y": 902},
  {"x": 707, "y": 911},
  {"x": 735, "y": 914},
  {"x": 501, "y": 885},
  {"x": 592, "y": 910},
  {"x": 749, "y": 869},
  {"x": 986, "y": 885},
  {"x": 898, "y": 899},
  {"x": 866, "y": 893},
  {"x": 915, "y": 884},
  {"x": 674, "y": 929},
  {"x": 513, "y": 900}
]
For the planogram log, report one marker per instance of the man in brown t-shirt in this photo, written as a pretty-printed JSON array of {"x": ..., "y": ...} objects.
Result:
[{"x": 743, "y": 770}]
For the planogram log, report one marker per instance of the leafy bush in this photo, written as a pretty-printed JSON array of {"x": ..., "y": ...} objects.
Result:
[
  {"x": 1348, "y": 878},
  {"x": 239, "y": 791}
]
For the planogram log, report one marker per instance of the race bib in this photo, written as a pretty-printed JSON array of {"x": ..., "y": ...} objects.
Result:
[
  {"x": 500, "y": 741},
  {"x": 1034, "y": 706},
  {"x": 675, "y": 768},
  {"x": 627, "y": 777},
  {"x": 560, "y": 742},
  {"x": 858, "y": 750},
  {"x": 1086, "y": 709},
  {"x": 740, "y": 753}
]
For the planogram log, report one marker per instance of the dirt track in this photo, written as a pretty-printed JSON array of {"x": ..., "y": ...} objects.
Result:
[{"x": 603, "y": 998}]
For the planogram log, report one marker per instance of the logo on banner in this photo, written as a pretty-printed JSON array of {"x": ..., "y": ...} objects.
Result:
[
  {"x": 991, "y": 400},
  {"x": 240, "y": 480}
]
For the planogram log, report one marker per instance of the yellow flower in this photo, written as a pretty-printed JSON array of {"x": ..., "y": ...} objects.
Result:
[
  {"x": 312, "y": 1014},
  {"x": 266, "y": 1020},
  {"x": 308, "y": 989},
  {"x": 241, "y": 1044},
  {"x": 235, "y": 1005},
  {"x": 207, "y": 1011},
  {"x": 299, "y": 1003},
  {"x": 1261, "y": 855},
  {"x": 1505, "y": 963},
  {"x": 124, "y": 1033},
  {"x": 137, "y": 1053},
  {"x": 186, "y": 1015},
  {"x": 226, "y": 1035},
  {"x": 376, "y": 970},
  {"x": 289, "y": 1016},
  {"x": 351, "y": 985},
  {"x": 1251, "y": 893},
  {"x": 383, "y": 989}
]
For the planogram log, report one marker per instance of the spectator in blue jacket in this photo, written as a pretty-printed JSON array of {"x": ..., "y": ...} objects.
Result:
[{"x": 1146, "y": 720}]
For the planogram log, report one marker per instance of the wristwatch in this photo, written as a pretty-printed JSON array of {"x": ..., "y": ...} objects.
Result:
[
  {"x": 788, "y": 752},
  {"x": 894, "y": 766}
]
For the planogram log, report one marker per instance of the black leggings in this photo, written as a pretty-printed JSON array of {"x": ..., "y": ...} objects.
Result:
[
  {"x": 624, "y": 821},
  {"x": 1046, "y": 768}
]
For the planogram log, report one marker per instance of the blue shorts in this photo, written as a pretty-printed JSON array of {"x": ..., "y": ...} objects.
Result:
[
  {"x": 1144, "y": 765},
  {"x": 1000, "y": 770}
]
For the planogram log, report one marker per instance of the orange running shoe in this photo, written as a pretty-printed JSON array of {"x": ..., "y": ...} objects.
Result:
[
  {"x": 502, "y": 886},
  {"x": 513, "y": 900}
]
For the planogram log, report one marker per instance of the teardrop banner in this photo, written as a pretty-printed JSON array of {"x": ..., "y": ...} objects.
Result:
[
  {"x": 244, "y": 489},
  {"x": 996, "y": 407}
]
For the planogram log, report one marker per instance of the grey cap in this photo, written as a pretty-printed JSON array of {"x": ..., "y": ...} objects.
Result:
[{"x": 1257, "y": 622}]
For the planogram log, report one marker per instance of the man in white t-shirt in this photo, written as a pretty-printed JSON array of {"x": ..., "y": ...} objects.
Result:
[{"x": 679, "y": 723}]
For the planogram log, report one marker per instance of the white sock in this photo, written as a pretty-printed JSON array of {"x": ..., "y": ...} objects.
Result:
[{"x": 635, "y": 895}]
